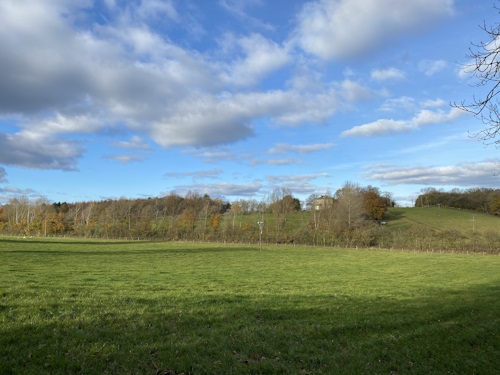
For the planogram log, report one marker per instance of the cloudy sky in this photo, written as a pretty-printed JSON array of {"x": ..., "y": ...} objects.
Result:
[{"x": 112, "y": 98}]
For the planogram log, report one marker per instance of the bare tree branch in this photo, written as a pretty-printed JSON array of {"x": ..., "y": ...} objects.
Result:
[{"x": 485, "y": 68}]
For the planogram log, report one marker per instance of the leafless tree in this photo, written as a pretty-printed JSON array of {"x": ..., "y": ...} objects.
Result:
[
  {"x": 349, "y": 208},
  {"x": 485, "y": 69}
]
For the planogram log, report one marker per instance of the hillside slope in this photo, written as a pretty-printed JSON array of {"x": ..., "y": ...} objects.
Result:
[{"x": 441, "y": 219}]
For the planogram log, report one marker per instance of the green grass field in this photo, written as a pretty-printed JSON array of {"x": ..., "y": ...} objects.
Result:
[
  {"x": 441, "y": 219},
  {"x": 78, "y": 307}
]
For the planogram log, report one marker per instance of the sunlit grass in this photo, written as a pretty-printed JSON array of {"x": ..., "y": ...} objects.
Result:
[
  {"x": 439, "y": 218},
  {"x": 136, "y": 307}
]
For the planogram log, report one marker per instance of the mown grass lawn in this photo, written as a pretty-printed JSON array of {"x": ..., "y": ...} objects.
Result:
[{"x": 170, "y": 308}]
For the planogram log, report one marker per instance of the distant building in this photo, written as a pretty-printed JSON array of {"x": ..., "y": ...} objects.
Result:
[{"x": 322, "y": 202}]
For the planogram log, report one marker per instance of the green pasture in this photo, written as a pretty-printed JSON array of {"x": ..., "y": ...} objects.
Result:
[
  {"x": 439, "y": 218},
  {"x": 397, "y": 218},
  {"x": 99, "y": 307}
]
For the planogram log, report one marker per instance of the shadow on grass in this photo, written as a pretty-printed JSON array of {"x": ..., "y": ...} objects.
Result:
[
  {"x": 55, "y": 247},
  {"x": 393, "y": 214},
  {"x": 455, "y": 333},
  {"x": 65, "y": 241}
]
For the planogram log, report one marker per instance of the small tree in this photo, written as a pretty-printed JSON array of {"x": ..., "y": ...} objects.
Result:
[
  {"x": 495, "y": 207},
  {"x": 374, "y": 205},
  {"x": 349, "y": 210},
  {"x": 281, "y": 203}
]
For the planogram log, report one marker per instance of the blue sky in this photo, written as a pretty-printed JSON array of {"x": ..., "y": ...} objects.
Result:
[{"x": 108, "y": 98}]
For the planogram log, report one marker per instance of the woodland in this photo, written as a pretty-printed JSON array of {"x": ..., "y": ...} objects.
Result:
[{"x": 355, "y": 218}]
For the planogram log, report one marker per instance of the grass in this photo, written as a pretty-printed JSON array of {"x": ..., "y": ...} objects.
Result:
[
  {"x": 441, "y": 219},
  {"x": 169, "y": 308}
]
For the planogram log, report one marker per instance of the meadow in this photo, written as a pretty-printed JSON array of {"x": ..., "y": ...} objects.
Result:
[{"x": 109, "y": 307}]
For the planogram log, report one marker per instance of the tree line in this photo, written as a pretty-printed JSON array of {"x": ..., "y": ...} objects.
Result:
[
  {"x": 350, "y": 217},
  {"x": 482, "y": 200},
  {"x": 191, "y": 217}
]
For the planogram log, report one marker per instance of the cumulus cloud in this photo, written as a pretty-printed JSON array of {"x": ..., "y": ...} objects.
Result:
[
  {"x": 39, "y": 153},
  {"x": 204, "y": 120},
  {"x": 465, "y": 174},
  {"x": 433, "y": 103},
  {"x": 207, "y": 120},
  {"x": 85, "y": 80},
  {"x": 423, "y": 118},
  {"x": 63, "y": 74},
  {"x": 338, "y": 29},
  {"x": 39, "y": 144},
  {"x": 261, "y": 56}
]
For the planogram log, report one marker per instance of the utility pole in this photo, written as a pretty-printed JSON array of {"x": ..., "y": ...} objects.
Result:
[{"x": 261, "y": 225}]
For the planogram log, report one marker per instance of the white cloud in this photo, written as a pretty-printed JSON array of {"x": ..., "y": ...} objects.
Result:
[
  {"x": 379, "y": 127},
  {"x": 337, "y": 29},
  {"x": 261, "y": 57},
  {"x": 404, "y": 102},
  {"x": 39, "y": 153},
  {"x": 298, "y": 108},
  {"x": 426, "y": 117},
  {"x": 465, "y": 174},
  {"x": 431, "y": 67},
  {"x": 430, "y": 103},
  {"x": 126, "y": 158},
  {"x": 387, "y": 74},
  {"x": 66, "y": 80},
  {"x": 63, "y": 124},
  {"x": 354, "y": 91},
  {"x": 304, "y": 79},
  {"x": 383, "y": 127},
  {"x": 135, "y": 143},
  {"x": 39, "y": 144},
  {"x": 205, "y": 120}
]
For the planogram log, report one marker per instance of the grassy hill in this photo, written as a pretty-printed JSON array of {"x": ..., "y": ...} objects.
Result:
[
  {"x": 441, "y": 219},
  {"x": 438, "y": 219},
  {"x": 429, "y": 228}
]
